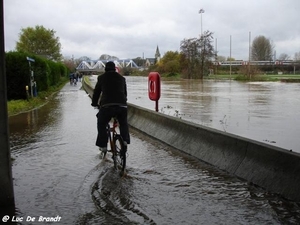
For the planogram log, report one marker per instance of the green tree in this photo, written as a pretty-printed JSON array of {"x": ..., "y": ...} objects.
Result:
[
  {"x": 262, "y": 49},
  {"x": 40, "y": 41},
  {"x": 170, "y": 62},
  {"x": 221, "y": 58},
  {"x": 230, "y": 59},
  {"x": 169, "y": 56}
]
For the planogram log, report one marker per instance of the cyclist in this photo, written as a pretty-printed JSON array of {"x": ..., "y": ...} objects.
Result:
[{"x": 110, "y": 95}]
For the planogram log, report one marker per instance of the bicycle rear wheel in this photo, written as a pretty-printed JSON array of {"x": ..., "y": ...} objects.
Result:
[{"x": 119, "y": 156}]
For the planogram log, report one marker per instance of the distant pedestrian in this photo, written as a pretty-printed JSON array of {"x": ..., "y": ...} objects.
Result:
[{"x": 71, "y": 76}]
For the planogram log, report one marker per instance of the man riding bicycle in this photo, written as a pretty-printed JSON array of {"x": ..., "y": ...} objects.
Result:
[{"x": 110, "y": 95}]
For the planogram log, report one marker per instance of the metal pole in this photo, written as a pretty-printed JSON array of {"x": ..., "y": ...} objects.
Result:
[
  {"x": 31, "y": 81},
  {"x": 201, "y": 11},
  {"x": 202, "y": 40},
  {"x": 230, "y": 57},
  {"x": 6, "y": 187},
  {"x": 31, "y": 75},
  {"x": 201, "y": 24},
  {"x": 249, "y": 72},
  {"x": 216, "y": 52}
]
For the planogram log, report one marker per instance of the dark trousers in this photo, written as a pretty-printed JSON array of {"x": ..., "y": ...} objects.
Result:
[{"x": 104, "y": 116}]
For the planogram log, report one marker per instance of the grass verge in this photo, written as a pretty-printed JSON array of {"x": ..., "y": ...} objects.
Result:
[{"x": 15, "y": 107}]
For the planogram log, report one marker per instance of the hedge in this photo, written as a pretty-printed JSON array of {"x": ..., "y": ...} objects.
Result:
[{"x": 46, "y": 74}]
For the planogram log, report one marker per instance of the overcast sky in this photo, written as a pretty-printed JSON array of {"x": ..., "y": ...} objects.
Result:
[{"x": 134, "y": 28}]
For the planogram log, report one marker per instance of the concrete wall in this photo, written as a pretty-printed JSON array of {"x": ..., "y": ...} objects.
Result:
[{"x": 275, "y": 169}]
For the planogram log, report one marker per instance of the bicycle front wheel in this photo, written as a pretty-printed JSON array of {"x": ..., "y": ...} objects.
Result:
[{"x": 120, "y": 153}]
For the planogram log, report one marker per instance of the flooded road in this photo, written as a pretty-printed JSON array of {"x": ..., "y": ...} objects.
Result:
[
  {"x": 57, "y": 172},
  {"x": 264, "y": 111}
]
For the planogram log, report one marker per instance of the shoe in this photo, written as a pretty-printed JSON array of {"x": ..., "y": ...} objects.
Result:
[{"x": 103, "y": 149}]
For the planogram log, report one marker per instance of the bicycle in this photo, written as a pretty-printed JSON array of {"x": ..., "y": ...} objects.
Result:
[{"x": 117, "y": 146}]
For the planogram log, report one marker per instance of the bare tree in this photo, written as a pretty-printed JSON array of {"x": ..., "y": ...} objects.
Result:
[
  {"x": 198, "y": 54},
  {"x": 104, "y": 57},
  {"x": 190, "y": 50},
  {"x": 84, "y": 58},
  {"x": 207, "y": 52},
  {"x": 284, "y": 56},
  {"x": 262, "y": 49},
  {"x": 108, "y": 57},
  {"x": 297, "y": 56}
]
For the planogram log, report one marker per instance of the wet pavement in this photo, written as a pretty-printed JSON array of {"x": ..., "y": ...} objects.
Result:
[{"x": 57, "y": 172}]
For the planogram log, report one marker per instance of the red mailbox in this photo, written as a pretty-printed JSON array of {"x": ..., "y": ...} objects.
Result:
[{"x": 154, "y": 87}]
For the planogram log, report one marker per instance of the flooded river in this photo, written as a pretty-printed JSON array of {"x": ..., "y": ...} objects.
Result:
[
  {"x": 264, "y": 111},
  {"x": 57, "y": 173}
]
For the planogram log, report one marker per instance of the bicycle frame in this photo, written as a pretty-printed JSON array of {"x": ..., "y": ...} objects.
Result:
[
  {"x": 111, "y": 132},
  {"x": 116, "y": 145}
]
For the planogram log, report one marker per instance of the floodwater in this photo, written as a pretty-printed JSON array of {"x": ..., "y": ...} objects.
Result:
[
  {"x": 57, "y": 173},
  {"x": 264, "y": 111}
]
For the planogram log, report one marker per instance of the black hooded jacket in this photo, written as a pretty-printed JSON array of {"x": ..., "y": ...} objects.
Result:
[{"x": 111, "y": 86}]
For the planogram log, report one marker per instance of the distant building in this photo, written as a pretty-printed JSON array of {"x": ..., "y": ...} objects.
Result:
[
  {"x": 149, "y": 62},
  {"x": 153, "y": 61}
]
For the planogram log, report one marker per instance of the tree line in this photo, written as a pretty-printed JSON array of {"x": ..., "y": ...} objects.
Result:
[{"x": 193, "y": 61}]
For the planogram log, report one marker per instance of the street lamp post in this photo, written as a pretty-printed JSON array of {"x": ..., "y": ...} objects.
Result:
[
  {"x": 230, "y": 58},
  {"x": 200, "y": 12},
  {"x": 249, "y": 73}
]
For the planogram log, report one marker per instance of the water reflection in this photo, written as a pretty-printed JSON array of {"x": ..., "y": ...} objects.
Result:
[
  {"x": 31, "y": 124},
  {"x": 262, "y": 111},
  {"x": 54, "y": 162}
]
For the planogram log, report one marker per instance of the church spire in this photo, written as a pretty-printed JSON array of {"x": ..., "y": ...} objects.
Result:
[{"x": 157, "y": 54}]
